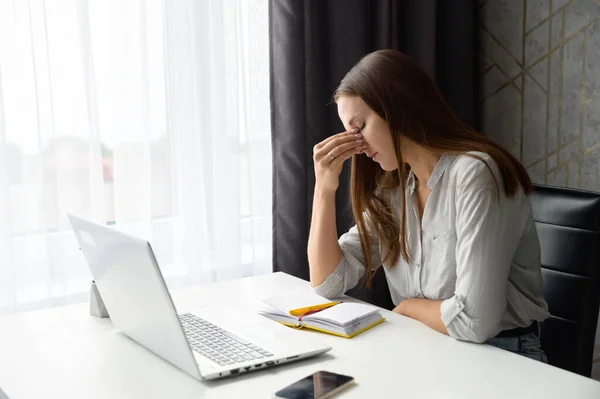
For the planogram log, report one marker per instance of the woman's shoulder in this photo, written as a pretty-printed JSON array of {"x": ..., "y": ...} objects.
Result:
[
  {"x": 474, "y": 166},
  {"x": 471, "y": 159}
]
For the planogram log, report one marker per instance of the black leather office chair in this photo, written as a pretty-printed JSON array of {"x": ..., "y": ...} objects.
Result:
[
  {"x": 568, "y": 225},
  {"x": 378, "y": 294}
]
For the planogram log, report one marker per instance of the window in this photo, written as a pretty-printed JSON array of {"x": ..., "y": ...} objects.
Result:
[{"x": 151, "y": 116}]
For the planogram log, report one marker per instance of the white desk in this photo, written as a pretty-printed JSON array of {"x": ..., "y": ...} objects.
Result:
[{"x": 65, "y": 353}]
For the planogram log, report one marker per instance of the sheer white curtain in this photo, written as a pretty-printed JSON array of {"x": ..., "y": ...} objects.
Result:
[{"x": 151, "y": 116}]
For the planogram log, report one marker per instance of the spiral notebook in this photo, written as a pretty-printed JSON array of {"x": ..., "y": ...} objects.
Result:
[{"x": 305, "y": 309}]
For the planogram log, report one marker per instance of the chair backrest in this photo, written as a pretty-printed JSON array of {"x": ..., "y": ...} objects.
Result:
[
  {"x": 378, "y": 294},
  {"x": 568, "y": 225}
]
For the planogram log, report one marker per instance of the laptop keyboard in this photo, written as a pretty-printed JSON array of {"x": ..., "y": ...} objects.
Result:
[{"x": 217, "y": 344}]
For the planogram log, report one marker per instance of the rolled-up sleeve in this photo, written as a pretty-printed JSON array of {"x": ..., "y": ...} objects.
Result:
[
  {"x": 484, "y": 250},
  {"x": 352, "y": 265}
]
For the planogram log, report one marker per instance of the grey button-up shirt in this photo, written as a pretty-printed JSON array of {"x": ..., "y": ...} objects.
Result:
[{"x": 475, "y": 249}]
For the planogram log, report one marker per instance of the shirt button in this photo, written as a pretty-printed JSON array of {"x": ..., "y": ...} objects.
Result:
[
  {"x": 457, "y": 305},
  {"x": 418, "y": 265}
]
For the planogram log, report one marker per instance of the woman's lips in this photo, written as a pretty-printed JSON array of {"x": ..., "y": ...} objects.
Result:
[{"x": 372, "y": 156}]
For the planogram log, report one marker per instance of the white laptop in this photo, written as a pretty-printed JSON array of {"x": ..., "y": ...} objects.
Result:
[{"x": 210, "y": 343}]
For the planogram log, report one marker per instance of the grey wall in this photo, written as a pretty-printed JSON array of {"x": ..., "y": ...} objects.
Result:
[
  {"x": 540, "y": 86},
  {"x": 539, "y": 81}
]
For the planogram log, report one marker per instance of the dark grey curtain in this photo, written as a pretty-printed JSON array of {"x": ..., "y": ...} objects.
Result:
[{"x": 313, "y": 44}]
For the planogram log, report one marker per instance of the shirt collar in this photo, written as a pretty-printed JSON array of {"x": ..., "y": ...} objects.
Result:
[
  {"x": 438, "y": 171},
  {"x": 410, "y": 183}
]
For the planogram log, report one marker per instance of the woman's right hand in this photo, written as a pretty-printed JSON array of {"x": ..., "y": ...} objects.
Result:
[{"x": 329, "y": 156}]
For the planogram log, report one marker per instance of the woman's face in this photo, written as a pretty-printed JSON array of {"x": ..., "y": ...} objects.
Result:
[{"x": 355, "y": 113}]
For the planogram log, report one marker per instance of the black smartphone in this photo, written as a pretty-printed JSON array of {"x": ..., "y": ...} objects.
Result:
[{"x": 320, "y": 385}]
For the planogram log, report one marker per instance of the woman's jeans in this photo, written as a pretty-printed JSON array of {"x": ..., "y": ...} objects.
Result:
[{"x": 528, "y": 345}]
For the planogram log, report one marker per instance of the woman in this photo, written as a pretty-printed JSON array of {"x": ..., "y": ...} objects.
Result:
[{"x": 440, "y": 206}]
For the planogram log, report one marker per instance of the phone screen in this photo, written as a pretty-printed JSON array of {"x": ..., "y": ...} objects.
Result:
[{"x": 316, "y": 386}]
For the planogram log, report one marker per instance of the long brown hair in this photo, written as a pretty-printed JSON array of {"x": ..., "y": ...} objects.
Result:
[{"x": 401, "y": 92}]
